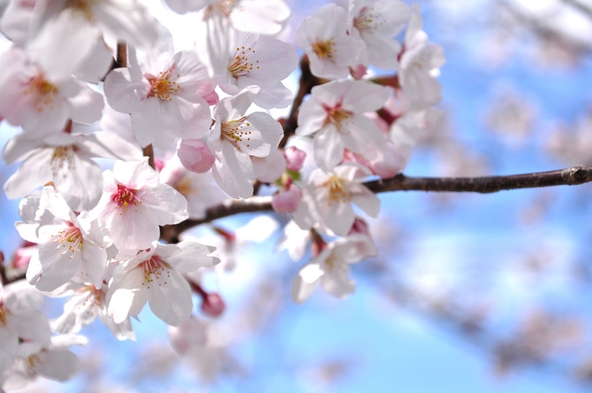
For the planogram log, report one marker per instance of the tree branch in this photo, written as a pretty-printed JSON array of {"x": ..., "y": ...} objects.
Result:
[{"x": 485, "y": 184}]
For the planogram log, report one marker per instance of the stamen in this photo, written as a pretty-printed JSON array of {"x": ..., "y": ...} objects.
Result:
[
  {"x": 338, "y": 190},
  {"x": 367, "y": 20},
  {"x": 62, "y": 155},
  {"x": 153, "y": 271},
  {"x": 125, "y": 197},
  {"x": 163, "y": 86},
  {"x": 70, "y": 238},
  {"x": 43, "y": 92},
  {"x": 338, "y": 117},
  {"x": 239, "y": 64},
  {"x": 232, "y": 131},
  {"x": 324, "y": 49},
  {"x": 3, "y": 314}
]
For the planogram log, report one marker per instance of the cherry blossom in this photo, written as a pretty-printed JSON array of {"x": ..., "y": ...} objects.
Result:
[
  {"x": 335, "y": 115},
  {"x": 329, "y": 195},
  {"x": 19, "y": 320},
  {"x": 324, "y": 38},
  {"x": 236, "y": 137},
  {"x": 331, "y": 268},
  {"x": 154, "y": 276},
  {"x": 376, "y": 22},
  {"x": 134, "y": 203},
  {"x": 164, "y": 97},
  {"x": 66, "y": 243}
]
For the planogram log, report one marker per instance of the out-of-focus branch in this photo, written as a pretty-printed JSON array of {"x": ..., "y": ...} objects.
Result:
[
  {"x": 485, "y": 184},
  {"x": 307, "y": 82},
  {"x": 583, "y": 8}
]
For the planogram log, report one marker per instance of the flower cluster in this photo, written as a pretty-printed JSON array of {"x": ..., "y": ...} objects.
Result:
[{"x": 186, "y": 130}]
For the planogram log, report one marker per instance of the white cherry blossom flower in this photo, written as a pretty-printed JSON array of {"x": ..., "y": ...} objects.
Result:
[
  {"x": 19, "y": 320},
  {"x": 236, "y": 137},
  {"x": 335, "y": 114},
  {"x": 419, "y": 66},
  {"x": 324, "y": 38},
  {"x": 329, "y": 195},
  {"x": 85, "y": 304},
  {"x": 376, "y": 22},
  {"x": 54, "y": 361},
  {"x": 331, "y": 268},
  {"x": 155, "y": 276},
  {"x": 164, "y": 95},
  {"x": 242, "y": 59},
  {"x": 66, "y": 244},
  {"x": 134, "y": 203}
]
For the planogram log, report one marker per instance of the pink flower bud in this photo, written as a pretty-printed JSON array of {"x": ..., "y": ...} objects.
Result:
[
  {"x": 191, "y": 333},
  {"x": 211, "y": 98},
  {"x": 286, "y": 201},
  {"x": 195, "y": 155},
  {"x": 213, "y": 305},
  {"x": 358, "y": 71},
  {"x": 294, "y": 158}
]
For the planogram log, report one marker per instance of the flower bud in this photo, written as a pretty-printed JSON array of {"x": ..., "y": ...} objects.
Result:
[
  {"x": 213, "y": 305},
  {"x": 294, "y": 158},
  {"x": 286, "y": 201},
  {"x": 195, "y": 155}
]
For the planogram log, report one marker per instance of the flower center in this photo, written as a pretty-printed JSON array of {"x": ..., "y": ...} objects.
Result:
[
  {"x": 338, "y": 190},
  {"x": 153, "y": 271},
  {"x": 239, "y": 64},
  {"x": 43, "y": 92},
  {"x": 69, "y": 238},
  {"x": 62, "y": 155},
  {"x": 366, "y": 20},
  {"x": 324, "y": 49},
  {"x": 124, "y": 197},
  {"x": 337, "y": 116},
  {"x": 233, "y": 131},
  {"x": 84, "y": 7},
  {"x": 162, "y": 86},
  {"x": 225, "y": 6}
]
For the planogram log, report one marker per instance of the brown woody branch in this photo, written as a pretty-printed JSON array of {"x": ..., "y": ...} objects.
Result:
[{"x": 485, "y": 184}]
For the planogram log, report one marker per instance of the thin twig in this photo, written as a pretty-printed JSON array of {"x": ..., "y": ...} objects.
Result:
[{"x": 485, "y": 184}]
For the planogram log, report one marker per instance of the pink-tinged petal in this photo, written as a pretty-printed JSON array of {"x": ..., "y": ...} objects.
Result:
[
  {"x": 234, "y": 172},
  {"x": 58, "y": 364},
  {"x": 163, "y": 205},
  {"x": 328, "y": 148},
  {"x": 265, "y": 133},
  {"x": 21, "y": 295},
  {"x": 301, "y": 290},
  {"x": 194, "y": 80},
  {"x": 19, "y": 147},
  {"x": 120, "y": 89},
  {"x": 274, "y": 95},
  {"x": 127, "y": 296},
  {"x": 80, "y": 181},
  {"x": 148, "y": 125},
  {"x": 338, "y": 283},
  {"x": 31, "y": 326},
  {"x": 186, "y": 119},
  {"x": 364, "y": 137},
  {"x": 269, "y": 169},
  {"x": 136, "y": 174},
  {"x": 311, "y": 117},
  {"x": 366, "y": 200},
  {"x": 193, "y": 256},
  {"x": 58, "y": 264},
  {"x": 97, "y": 64},
  {"x": 9, "y": 344},
  {"x": 338, "y": 216},
  {"x": 107, "y": 144},
  {"x": 131, "y": 230},
  {"x": 365, "y": 96},
  {"x": 273, "y": 60},
  {"x": 87, "y": 106},
  {"x": 34, "y": 172},
  {"x": 53, "y": 115},
  {"x": 169, "y": 298},
  {"x": 260, "y": 17},
  {"x": 94, "y": 262}
]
